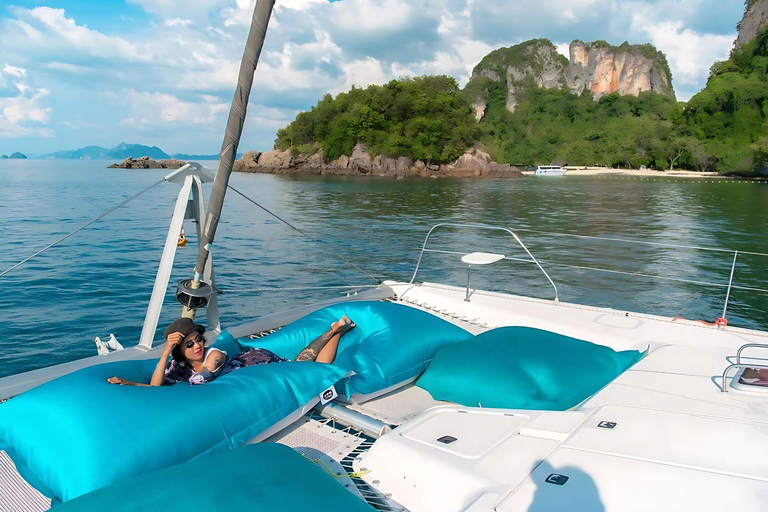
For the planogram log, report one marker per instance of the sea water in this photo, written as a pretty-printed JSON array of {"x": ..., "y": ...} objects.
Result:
[{"x": 99, "y": 281}]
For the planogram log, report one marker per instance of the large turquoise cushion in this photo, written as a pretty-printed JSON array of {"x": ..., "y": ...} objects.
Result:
[
  {"x": 79, "y": 433},
  {"x": 390, "y": 344},
  {"x": 523, "y": 368},
  {"x": 264, "y": 477}
]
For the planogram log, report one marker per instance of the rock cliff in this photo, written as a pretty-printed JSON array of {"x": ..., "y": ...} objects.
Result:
[
  {"x": 755, "y": 19},
  {"x": 145, "y": 162},
  {"x": 598, "y": 67},
  {"x": 475, "y": 163}
]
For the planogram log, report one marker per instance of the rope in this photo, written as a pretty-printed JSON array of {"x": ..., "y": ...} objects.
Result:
[
  {"x": 303, "y": 233},
  {"x": 298, "y": 288},
  {"x": 41, "y": 251},
  {"x": 327, "y": 468}
]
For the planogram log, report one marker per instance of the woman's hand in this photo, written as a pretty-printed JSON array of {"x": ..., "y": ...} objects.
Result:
[
  {"x": 173, "y": 339},
  {"x": 123, "y": 382}
]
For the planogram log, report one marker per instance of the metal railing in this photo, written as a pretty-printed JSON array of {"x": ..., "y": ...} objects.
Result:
[
  {"x": 748, "y": 345},
  {"x": 740, "y": 365},
  {"x": 729, "y": 286},
  {"x": 424, "y": 249}
]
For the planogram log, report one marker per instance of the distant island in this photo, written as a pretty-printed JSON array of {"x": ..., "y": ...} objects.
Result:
[
  {"x": 119, "y": 152},
  {"x": 14, "y": 156},
  {"x": 123, "y": 151},
  {"x": 184, "y": 156}
]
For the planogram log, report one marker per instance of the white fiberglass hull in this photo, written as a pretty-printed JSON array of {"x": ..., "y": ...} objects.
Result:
[
  {"x": 550, "y": 172},
  {"x": 678, "y": 440}
]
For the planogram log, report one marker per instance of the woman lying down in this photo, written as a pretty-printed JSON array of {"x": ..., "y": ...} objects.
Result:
[{"x": 192, "y": 362}]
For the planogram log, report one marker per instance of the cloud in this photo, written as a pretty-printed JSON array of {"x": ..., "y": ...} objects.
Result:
[
  {"x": 690, "y": 53},
  {"x": 176, "y": 21},
  {"x": 14, "y": 71},
  {"x": 69, "y": 68},
  {"x": 54, "y": 29},
  {"x": 178, "y": 67},
  {"x": 22, "y": 114},
  {"x": 149, "y": 109}
]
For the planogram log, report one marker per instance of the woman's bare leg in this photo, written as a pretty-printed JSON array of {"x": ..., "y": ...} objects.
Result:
[
  {"x": 328, "y": 353},
  {"x": 329, "y": 339}
]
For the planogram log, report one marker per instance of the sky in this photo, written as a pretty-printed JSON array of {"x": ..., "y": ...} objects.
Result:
[{"x": 75, "y": 73}]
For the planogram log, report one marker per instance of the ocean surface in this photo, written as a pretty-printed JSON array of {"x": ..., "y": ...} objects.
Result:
[{"x": 99, "y": 281}]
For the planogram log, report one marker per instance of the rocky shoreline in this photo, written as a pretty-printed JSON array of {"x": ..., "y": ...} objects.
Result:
[
  {"x": 145, "y": 162},
  {"x": 475, "y": 163}
]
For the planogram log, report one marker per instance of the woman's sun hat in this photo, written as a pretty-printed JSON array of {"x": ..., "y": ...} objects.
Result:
[{"x": 184, "y": 326}]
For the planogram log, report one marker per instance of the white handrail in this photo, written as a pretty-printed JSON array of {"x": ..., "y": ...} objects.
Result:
[
  {"x": 480, "y": 226},
  {"x": 740, "y": 365},
  {"x": 748, "y": 345},
  {"x": 729, "y": 285}
]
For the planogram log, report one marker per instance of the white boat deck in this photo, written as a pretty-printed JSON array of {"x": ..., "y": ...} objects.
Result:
[{"x": 677, "y": 443}]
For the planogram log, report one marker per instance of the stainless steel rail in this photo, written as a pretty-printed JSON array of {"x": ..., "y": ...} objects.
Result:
[
  {"x": 729, "y": 286},
  {"x": 740, "y": 365},
  {"x": 748, "y": 345},
  {"x": 480, "y": 226}
]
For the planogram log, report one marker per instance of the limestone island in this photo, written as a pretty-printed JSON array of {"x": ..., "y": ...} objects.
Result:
[
  {"x": 475, "y": 163},
  {"x": 145, "y": 162}
]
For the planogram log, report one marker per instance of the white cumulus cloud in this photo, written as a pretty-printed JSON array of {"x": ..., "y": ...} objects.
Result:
[
  {"x": 23, "y": 113},
  {"x": 178, "y": 67}
]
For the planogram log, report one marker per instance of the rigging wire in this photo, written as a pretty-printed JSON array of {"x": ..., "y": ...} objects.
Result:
[
  {"x": 303, "y": 233},
  {"x": 351, "y": 287},
  {"x": 621, "y": 272},
  {"x": 101, "y": 216},
  {"x": 641, "y": 242}
]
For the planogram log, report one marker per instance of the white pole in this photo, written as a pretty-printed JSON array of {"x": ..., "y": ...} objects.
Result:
[{"x": 166, "y": 265}]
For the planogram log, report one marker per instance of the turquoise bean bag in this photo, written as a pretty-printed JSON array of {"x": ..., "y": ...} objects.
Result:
[
  {"x": 390, "y": 344},
  {"x": 263, "y": 477},
  {"x": 523, "y": 368},
  {"x": 79, "y": 433}
]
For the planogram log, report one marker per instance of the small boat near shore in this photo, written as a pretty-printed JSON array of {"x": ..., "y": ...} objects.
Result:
[{"x": 549, "y": 170}]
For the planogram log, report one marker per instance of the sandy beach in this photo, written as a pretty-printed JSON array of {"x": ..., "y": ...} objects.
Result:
[{"x": 606, "y": 171}]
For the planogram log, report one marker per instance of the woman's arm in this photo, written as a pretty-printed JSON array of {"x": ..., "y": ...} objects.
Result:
[
  {"x": 216, "y": 358},
  {"x": 123, "y": 382},
  {"x": 159, "y": 374}
]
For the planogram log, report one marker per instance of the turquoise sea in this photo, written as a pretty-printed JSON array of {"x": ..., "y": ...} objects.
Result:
[{"x": 99, "y": 281}]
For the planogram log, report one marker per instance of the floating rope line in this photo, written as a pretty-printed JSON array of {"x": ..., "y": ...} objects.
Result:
[
  {"x": 303, "y": 233},
  {"x": 41, "y": 251},
  {"x": 299, "y": 288}
]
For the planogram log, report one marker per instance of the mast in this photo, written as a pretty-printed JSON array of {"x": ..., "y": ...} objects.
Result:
[{"x": 190, "y": 290}]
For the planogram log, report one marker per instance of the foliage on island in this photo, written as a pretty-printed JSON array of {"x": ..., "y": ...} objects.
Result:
[
  {"x": 424, "y": 118},
  {"x": 525, "y": 54},
  {"x": 556, "y": 125},
  {"x": 728, "y": 119},
  {"x": 723, "y": 127}
]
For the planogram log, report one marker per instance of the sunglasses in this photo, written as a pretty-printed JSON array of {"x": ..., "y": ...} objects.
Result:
[{"x": 199, "y": 339}]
